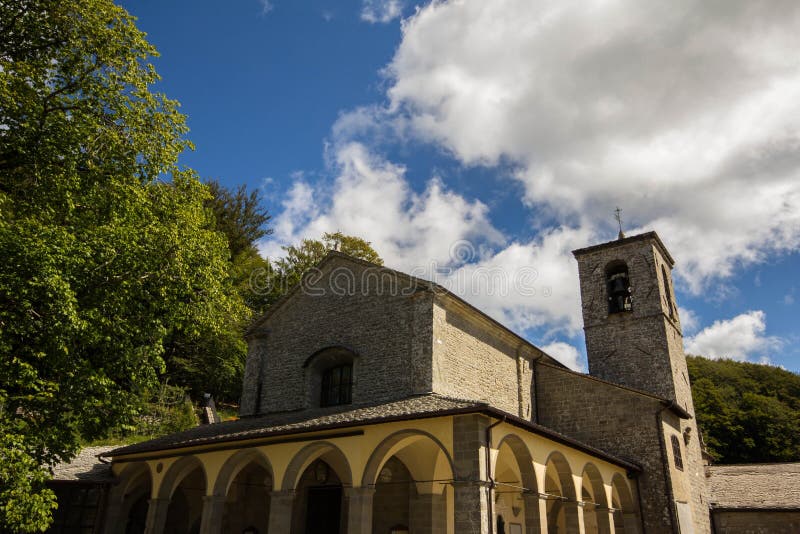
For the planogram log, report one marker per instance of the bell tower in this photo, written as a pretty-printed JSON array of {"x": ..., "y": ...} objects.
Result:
[{"x": 630, "y": 317}]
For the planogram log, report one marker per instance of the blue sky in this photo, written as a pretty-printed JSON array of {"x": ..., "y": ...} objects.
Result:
[{"x": 507, "y": 132}]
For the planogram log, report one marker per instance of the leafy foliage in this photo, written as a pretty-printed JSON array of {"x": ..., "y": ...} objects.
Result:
[
  {"x": 103, "y": 260},
  {"x": 747, "y": 412}
]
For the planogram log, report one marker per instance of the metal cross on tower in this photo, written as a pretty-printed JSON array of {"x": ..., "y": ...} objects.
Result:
[{"x": 618, "y": 217}]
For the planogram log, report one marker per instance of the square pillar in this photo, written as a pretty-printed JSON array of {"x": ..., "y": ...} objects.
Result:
[
  {"x": 359, "y": 510},
  {"x": 213, "y": 510},
  {"x": 280, "y": 510},
  {"x": 156, "y": 516},
  {"x": 428, "y": 513},
  {"x": 471, "y": 492}
]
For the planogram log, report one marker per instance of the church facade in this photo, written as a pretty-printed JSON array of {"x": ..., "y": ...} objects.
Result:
[{"x": 375, "y": 402}]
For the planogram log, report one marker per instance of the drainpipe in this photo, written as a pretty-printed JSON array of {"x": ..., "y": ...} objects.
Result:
[{"x": 491, "y": 485}]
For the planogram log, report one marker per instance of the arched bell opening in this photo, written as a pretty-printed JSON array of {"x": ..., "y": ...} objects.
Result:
[{"x": 618, "y": 287}]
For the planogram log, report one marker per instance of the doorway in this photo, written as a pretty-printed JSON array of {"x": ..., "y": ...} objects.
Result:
[{"x": 323, "y": 512}]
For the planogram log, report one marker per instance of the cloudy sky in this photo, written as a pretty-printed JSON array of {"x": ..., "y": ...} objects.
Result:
[{"x": 468, "y": 137}]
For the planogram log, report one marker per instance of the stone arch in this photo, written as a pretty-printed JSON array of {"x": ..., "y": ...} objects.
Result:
[
  {"x": 333, "y": 456},
  {"x": 626, "y": 518},
  {"x": 523, "y": 458},
  {"x": 324, "y": 360},
  {"x": 132, "y": 475},
  {"x": 562, "y": 504},
  {"x": 591, "y": 474},
  {"x": 128, "y": 501},
  {"x": 593, "y": 495},
  {"x": 516, "y": 504},
  {"x": 177, "y": 472},
  {"x": 421, "y": 464},
  {"x": 400, "y": 440},
  {"x": 559, "y": 469},
  {"x": 235, "y": 464}
]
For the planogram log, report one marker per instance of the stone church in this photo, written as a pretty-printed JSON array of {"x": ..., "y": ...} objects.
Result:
[{"x": 378, "y": 403}]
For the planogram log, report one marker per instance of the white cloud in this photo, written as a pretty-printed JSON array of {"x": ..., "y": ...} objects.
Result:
[
  {"x": 566, "y": 354},
  {"x": 689, "y": 320},
  {"x": 266, "y": 6},
  {"x": 371, "y": 198},
  {"x": 686, "y": 114},
  {"x": 740, "y": 338},
  {"x": 381, "y": 11},
  {"x": 534, "y": 284}
]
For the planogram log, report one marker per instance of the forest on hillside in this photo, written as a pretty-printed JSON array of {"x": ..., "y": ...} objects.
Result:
[{"x": 747, "y": 412}]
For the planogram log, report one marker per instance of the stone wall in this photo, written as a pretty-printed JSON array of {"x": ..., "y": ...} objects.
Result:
[
  {"x": 756, "y": 521},
  {"x": 384, "y": 319},
  {"x": 472, "y": 360},
  {"x": 612, "y": 419}
]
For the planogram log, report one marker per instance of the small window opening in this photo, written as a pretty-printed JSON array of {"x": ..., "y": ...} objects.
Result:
[
  {"x": 676, "y": 452},
  {"x": 618, "y": 287},
  {"x": 668, "y": 292},
  {"x": 337, "y": 386}
]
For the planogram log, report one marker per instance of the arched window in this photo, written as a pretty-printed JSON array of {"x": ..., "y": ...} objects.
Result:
[
  {"x": 330, "y": 377},
  {"x": 337, "y": 385},
  {"x": 676, "y": 452},
  {"x": 668, "y": 292},
  {"x": 618, "y": 287}
]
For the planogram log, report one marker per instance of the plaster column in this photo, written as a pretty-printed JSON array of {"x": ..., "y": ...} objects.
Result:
[
  {"x": 213, "y": 510},
  {"x": 280, "y": 511},
  {"x": 359, "y": 510},
  {"x": 156, "y": 516},
  {"x": 573, "y": 512},
  {"x": 605, "y": 520},
  {"x": 428, "y": 513},
  {"x": 535, "y": 513}
]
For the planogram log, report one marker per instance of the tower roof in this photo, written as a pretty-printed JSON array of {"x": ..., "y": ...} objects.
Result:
[{"x": 651, "y": 236}]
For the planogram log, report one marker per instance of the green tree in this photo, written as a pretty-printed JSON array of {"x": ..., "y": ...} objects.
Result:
[
  {"x": 747, "y": 412},
  {"x": 300, "y": 258},
  {"x": 107, "y": 246},
  {"x": 267, "y": 283}
]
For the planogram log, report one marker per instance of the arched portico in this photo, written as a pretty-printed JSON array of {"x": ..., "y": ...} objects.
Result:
[
  {"x": 128, "y": 501},
  {"x": 626, "y": 519},
  {"x": 563, "y": 511},
  {"x": 409, "y": 471},
  {"x": 242, "y": 493},
  {"x": 516, "y": 490},
  {"x": 596, "y": 518},
  {"x": 313, "y": 492}
]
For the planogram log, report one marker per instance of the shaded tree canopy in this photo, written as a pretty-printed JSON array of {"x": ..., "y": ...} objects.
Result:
[
  {"x": 748, "y": 413},
  {"x": 108, "y": 249}
]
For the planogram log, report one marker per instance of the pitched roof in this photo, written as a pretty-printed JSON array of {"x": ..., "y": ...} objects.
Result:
[
  {"x": 271, "y": 425},
  {"x": 415, "y": 407},
  {"x": 85, "y": 467},
  {"x": 412, "y": 281},
  {"x": 755, "y": 486}
]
